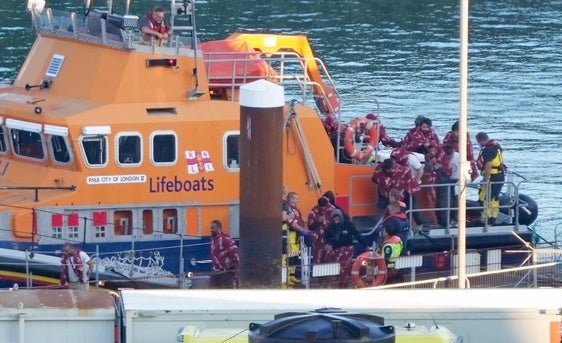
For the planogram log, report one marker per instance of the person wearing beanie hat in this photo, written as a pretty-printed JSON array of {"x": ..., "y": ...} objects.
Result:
[
  {"x": 339, "y": 245},
  {"x": 338, "y": 213},
  {"x": 332, "y": 198}
]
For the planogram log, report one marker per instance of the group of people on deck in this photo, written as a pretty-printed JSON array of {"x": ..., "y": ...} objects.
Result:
[
  {"x": 403, "y": 171},
  {"x": 330, "y": 233}
]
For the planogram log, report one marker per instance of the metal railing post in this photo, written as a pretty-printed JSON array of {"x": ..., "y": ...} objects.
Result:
[{"x": 28, "y": 275}]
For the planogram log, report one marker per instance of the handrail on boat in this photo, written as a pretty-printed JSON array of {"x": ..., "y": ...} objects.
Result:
[
  {"x": 37, "y": 189},
  {"x": 285, "y": 68},
  {"x": 514, "y": 203}
]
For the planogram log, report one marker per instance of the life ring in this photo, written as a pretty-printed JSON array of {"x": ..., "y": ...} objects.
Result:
[
  {"x": 327, "y": 101},
  {"x": 365, "y": 126},
  {"x": 368, "y": 261}
]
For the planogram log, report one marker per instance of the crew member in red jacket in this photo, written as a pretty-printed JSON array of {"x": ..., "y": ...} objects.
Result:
[
  {"x": 76, "y": 267},
  {"x": 154, "y": 25}
]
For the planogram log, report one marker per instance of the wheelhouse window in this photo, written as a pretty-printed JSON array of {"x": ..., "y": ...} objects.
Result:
[
  {"x": 129, "y": 149},
  {"x": 232, "y": 151},
  {"x": 94, "y": 149},
  {"x": 60, "y": 149},
  {"x": 27, "y": 144},
  {"x": 3, "y": 141},
  {"x": 163, "y": 148}
]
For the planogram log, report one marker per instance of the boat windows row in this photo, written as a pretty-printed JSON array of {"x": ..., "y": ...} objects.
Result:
[
  {"x": 33, "y": 143},
  {"x": 111, "y": 224}
]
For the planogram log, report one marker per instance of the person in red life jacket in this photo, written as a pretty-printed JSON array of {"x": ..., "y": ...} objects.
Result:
[
  {"x": 395, "y": 220},
  {"x": 224, "y": 254},
  {"x": 419, "y": 138},
  {"x": 297, "y": 229},
  {"x": 490, "y": 163},
  {"x": 390, "y": 174},
  {"x": 407, "y": 158},
  {"x": 318, "y": 221},
  {"x": 452, "y": 139},
  {"x": 384, "y": 138},
  {"x": 438, "y": 170},
  {"x": 76, "y": 267},
  {"x": 154, "y": 25},
  {"x": 331, "y": 125},
  {"x": 382, "y": 176},
  {"x": 339, "y": 245}
]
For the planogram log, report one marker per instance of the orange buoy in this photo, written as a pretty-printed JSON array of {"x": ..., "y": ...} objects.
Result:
[
  {"x": 374, "y": 270},
  {"x": 363, "y": 125}
]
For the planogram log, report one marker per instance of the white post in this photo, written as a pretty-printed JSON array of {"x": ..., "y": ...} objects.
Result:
[{"x": 463, "y": 165}]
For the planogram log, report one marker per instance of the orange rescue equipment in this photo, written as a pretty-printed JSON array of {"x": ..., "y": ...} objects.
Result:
[
  {"x": 362, "y": 125},
  {"x": 327, "y": 101},
  {"x": 374, "y": 270}
]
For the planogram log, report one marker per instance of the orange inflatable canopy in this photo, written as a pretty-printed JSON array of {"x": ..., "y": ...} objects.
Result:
[{"x": 234, "y": 61}]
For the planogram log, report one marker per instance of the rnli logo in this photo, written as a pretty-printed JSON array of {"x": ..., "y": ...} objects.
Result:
[{"x": 198, "y": 162}]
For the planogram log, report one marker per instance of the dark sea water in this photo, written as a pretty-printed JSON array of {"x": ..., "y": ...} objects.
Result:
[{"x": 405, "y": 54}]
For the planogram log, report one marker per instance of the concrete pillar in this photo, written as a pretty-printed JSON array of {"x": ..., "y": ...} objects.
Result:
[{"x": 261, "y": 180}]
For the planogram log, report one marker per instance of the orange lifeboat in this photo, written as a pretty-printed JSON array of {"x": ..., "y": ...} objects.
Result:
[{"x": 365, "y": 127}]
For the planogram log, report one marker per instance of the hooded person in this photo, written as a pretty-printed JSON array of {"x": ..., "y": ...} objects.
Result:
[{"x": 339, "y": 244}]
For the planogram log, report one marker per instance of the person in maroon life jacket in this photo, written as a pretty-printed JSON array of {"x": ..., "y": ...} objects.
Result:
[
  {"x": 390, "y": 174},
  {"x": 154, "y": 25},
  {"x": 437, "y": 168},
  {"x": 452, "y": 139},
  {"x": 318, "y": 220},
  {"x": 225, "y": 256},
  {"x": 419, "y": 138}
]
